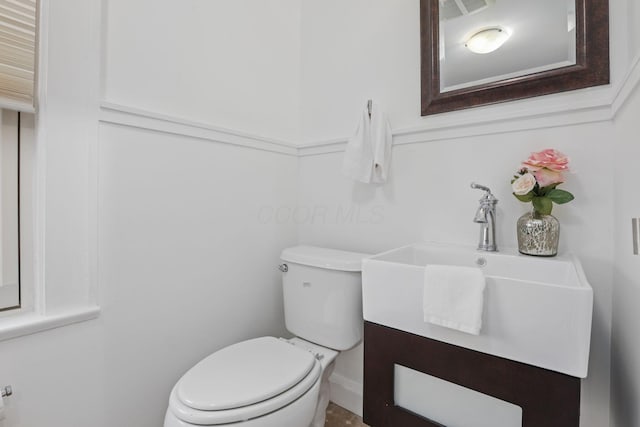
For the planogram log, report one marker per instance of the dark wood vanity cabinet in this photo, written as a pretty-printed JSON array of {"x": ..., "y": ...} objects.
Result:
[{"x": 547, "y": 398}]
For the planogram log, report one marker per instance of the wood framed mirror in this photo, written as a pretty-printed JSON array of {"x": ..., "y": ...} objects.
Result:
[{"x": 455, "y": 78}]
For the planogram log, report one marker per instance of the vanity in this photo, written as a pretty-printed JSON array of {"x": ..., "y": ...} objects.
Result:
[{"x": 523, "y": 369}]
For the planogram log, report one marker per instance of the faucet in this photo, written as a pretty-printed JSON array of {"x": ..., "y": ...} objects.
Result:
[{"x": 486, "y": 217}]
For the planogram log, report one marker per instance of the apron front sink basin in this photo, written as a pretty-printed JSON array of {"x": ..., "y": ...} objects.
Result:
[{"x": 536, "y": 310}]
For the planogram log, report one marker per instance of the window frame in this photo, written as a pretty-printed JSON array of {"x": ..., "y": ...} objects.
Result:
[
  {"x": 64, "y": 162},
  {"x": 11, "y": 299}
]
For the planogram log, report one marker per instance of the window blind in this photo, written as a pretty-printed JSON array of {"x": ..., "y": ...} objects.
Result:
[{"x": 18, "y": 35}]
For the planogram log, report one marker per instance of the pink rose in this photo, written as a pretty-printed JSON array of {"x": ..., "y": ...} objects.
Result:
[
  {"x": 524, "y": 184},
  {"x": 550, "y": 159},
  {"x": 546, "y": 177}
]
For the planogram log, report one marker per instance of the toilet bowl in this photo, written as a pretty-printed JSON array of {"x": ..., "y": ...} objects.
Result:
[
  {"x": 261, "y": 382},
  {"x": 276, "y": 382}
]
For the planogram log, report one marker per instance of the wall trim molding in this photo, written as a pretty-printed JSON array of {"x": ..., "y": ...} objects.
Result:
[
  {"x": 31, "y": 323},
  {"x": 122, "y": 115},
  {"x": 487, "y": 127},
  {"x": 496, "y": 120},
  {"x": 629, "y": 84},
  {"x": 594, "y": 107},
  {"x": 490, "y": 120}
]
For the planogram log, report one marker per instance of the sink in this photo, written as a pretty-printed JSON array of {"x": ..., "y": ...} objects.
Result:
[{"x": 536, "y": 310}]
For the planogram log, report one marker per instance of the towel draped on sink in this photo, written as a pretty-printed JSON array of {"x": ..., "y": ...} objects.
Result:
[{"x": 453, "y": 297}]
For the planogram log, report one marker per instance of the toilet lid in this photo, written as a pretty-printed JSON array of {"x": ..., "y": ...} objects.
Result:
[{"x": 243, "y": 374}]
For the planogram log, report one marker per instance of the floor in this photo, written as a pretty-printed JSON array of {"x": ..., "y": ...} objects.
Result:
[{"x": 340, "y": 417}]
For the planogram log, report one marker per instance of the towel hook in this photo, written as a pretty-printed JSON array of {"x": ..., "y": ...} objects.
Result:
[{"x": 369, "y": 107}]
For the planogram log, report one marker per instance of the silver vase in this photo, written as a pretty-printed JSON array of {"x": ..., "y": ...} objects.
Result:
[{"x": 538, "y": 234}]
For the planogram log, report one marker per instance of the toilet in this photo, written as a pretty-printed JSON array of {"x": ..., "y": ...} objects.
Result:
[{"x": 278, "y": 382}]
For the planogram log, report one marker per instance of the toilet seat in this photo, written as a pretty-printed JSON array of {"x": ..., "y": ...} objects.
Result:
[{"x": 244, "y": 381}]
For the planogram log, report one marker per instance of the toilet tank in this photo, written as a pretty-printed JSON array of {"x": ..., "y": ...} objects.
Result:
[{"x": 323, "y": 295}]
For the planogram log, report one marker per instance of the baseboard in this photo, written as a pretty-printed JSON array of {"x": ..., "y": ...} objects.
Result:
[{"x": 346, "y": 393}]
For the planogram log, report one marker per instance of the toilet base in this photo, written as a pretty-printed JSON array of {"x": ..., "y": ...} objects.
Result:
[{"x": 323, "y": 398}]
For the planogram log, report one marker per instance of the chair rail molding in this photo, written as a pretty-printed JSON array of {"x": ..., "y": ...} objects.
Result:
[
  {"x": 569, "y": 108},
  {"x": 118, "y": 114}
]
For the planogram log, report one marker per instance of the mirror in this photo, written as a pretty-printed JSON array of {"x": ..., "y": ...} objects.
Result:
[{"x": 478, "y": 52}]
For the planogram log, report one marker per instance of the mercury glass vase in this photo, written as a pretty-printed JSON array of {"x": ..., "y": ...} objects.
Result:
[{"x": 538, "y": 234}]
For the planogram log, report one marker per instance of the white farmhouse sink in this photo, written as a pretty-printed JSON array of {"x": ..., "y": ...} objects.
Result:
[{"x": 536, "y": 310}]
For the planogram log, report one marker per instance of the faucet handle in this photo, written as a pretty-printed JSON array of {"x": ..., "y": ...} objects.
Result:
[
  {"x": 488, "y": 196},
  {"x": 480, "y": 187}
]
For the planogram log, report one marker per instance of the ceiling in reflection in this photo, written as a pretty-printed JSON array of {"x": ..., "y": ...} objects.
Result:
[{"x": 542, "y": 37}]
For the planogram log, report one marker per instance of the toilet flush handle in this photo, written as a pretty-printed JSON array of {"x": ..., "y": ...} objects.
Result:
[
  {"x": 283, "y": 267},
  {"x": 6, "y": 391}
]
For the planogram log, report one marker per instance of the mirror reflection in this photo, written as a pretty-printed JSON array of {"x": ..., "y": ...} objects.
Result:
[{"x": 485, "y": 41}]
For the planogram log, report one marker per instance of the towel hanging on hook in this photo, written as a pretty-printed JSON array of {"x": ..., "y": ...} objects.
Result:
[{"x": 368, "y": 153}]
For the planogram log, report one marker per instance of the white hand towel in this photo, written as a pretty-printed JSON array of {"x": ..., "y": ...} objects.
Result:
[
  {"x": 368, "y": 154},
  {"x": 358, "y": 156},
  {"x": 453, "y": 297},
  {"x": 381, "y": 141}
]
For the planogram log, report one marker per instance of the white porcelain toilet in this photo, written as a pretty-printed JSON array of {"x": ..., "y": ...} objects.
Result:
[{"x": 276, "y": 382}]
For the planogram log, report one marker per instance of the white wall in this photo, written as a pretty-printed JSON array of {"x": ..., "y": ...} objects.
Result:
[
  {"x": 428, "y": 198},
  {"x": 633, "y": 14},
  {"x": 67, "y": 129},
  {"x": 59, "y": 372},
  {"x": 186, "y": 265},
  {"x": 356, "y": 50},
  {"x": 625, "y": 348},
  {"x": 230, "y": 63},
  {"x": 372, "y": 51},
  {"x": 176, "y": 219},
  {"x": 168, "y": 225}
]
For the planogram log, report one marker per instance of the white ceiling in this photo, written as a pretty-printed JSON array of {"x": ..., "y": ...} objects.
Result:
[{"x": 540, "y": 39}]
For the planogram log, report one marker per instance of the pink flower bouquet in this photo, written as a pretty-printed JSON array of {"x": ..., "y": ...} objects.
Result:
[{"x": 537, "y": 179}]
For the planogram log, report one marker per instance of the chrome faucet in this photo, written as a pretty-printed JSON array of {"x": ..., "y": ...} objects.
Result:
[{"x": 486, "y": 217}]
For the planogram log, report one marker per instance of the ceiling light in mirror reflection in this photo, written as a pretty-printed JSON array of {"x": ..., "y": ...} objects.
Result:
[
  {"x": 542, "y": 37},
  {"x": 487, "y": 40}
]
